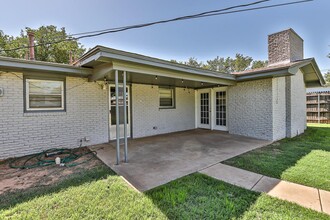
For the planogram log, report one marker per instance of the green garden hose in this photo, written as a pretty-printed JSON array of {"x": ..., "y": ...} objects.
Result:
[{"x": 72, "y": 155}]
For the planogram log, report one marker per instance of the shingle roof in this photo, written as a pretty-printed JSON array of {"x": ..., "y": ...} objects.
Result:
[{"x": 271, "y": 68}]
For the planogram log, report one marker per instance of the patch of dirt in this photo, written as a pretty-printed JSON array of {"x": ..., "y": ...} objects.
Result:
[
  {"x": 12, "y": 179},
  {"x": 276, "y": 144},
  {"x": 276, "y": 151}
]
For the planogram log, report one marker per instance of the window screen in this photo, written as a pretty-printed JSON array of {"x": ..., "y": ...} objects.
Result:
[
  {"x": 44, "y": 94},
  {"x": 166, "y": 97}
]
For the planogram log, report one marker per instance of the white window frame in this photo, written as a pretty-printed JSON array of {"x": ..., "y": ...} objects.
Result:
[
  {"x": 173, "y": 98},
  {"x": 27, "y": 95}
]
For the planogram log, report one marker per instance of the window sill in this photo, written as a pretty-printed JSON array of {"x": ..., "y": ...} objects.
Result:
[
  {"x": 166, "y": 108},
  {"x": 43, "y": 113}
]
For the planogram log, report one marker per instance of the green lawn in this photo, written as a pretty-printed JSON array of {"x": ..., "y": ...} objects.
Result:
[
  {"x": 100, "y": 194},
  {"x": 304, "y": 159}
]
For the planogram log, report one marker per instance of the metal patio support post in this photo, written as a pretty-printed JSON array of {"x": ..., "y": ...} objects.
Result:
[
  {"x": 117, "y": 119},
  {"x": 125, "y": 117},
  {"x": 318, "y": 108}
]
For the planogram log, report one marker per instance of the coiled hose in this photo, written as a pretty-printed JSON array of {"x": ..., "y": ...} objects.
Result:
[{"x": 41, "y": 160}]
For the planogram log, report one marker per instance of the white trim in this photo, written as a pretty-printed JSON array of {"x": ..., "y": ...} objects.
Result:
[
  {"x": 27, "y": 95},
  {"x": 109, "y": 111},
  {"x": 212, "y": 104},
  {"x": 199, "y": 125},
  {"x": 196, "y": 108},
  {"x": 212, "y": 108}
]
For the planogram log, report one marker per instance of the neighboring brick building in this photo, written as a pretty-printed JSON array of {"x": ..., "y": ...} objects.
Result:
[
  {"x": 45, "y": 105},
  {"x": 318, "y": 105}
]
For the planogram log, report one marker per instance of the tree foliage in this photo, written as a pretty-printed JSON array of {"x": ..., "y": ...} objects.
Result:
[
  {"x": 327, "y": 77},
  {"x": 259, "y": 64},
  {"x": 226, "y": 65},
  {"x": 44, "y": 35}
]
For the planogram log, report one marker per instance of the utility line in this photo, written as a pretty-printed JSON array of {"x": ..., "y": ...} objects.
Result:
[
  {"x": 200, "y": 15},
  {"x": 174, "y": 19},
  {"x": 188, "y": 17}
]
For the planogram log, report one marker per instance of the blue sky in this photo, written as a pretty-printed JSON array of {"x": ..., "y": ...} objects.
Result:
[{"x": 204, "y": 38}]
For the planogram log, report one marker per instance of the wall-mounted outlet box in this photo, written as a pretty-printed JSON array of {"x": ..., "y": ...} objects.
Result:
[{"x": 2, "y": 91}]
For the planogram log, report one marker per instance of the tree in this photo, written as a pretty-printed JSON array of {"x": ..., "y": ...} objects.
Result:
[
  {"x": 327, "y": 77},
  {"x": 47, "y": 51},
  {"x": 226, "y": 65},
  {"x": 217, "y": 64},
  {"x": 259, "y": 64},
  {"x": 240, "y": 63},
  {"x": 192, "y": 61}
]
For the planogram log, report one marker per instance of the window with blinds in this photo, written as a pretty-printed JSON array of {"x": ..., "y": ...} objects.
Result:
[
  {"x": 166, "y": 98},
  {"x": 44, "y": 94}
]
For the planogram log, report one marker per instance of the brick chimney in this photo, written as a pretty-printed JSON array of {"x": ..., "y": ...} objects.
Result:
[
  {"x": 31, "y": 45},
  {"x": 284, "y": 47}
]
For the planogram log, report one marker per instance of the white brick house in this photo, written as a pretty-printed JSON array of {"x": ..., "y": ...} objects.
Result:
[{"x": 45, "y": 105}]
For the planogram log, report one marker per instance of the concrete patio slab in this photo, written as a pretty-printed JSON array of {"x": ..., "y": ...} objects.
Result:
[
  {"x": 325, "y": 201},
  {"x": 233, "y": 175},
  {"x": 156, "y": 160}
]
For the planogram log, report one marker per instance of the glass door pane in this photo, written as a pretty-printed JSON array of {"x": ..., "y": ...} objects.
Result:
[
  {"x": 220, "y": 109},
  {"x": 112, "y": 116},
  {"x": 204, "y": 109}
]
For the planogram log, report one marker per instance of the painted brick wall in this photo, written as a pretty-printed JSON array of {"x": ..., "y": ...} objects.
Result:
[
  {"x": 296, "y": 104},
  {"x": 26, "y": 133},
  {"x": 250, "y": 109},
  {"x": 279, "y": 108},
  {"x": 146, "y": 113}
]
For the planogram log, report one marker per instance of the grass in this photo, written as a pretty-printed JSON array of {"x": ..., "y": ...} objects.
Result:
[
  {"x": 304, "y": 159},
  {"x": 100, "y": 194}
]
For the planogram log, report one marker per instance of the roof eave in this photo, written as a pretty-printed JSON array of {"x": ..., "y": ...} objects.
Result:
[
  {"x": 318, "y": 72},
  {"x": 13, "y": 64},
  {"x": 104, "y": 54},
  {"x": 311, "y": 61},
  {"x": 263, "y": 75}
]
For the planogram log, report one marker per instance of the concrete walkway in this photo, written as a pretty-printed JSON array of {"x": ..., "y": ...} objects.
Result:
[{"x": 308, "y": 197}]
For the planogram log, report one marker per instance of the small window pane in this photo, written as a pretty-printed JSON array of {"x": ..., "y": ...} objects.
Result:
[
  {"x": 44, "y": 94},
  {"x": 166, "y": 97},
  {"x": 43, "y": 101}
]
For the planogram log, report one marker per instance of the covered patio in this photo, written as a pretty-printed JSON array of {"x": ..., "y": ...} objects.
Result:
[
  {"x": 156, "y": 160},
  {"x": 119, "y": 69}
]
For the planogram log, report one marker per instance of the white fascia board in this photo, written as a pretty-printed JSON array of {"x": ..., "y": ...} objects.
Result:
[
  {"x": 264, "y": 75},
  {"x": 161, "y": 64},
  {"x": 150, "y": 70},
  {"x": 19, "y": 65},
  {"x": 91, "y": 58},
  {"x": 317, "y": 72}
]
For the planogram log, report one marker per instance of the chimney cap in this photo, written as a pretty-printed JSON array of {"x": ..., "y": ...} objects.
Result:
[
  {"x": 30, "y": 33},
  {"x": 285, "y": 30}
]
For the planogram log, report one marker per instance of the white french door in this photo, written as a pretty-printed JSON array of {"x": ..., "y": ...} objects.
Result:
[
  {"x": 212, "y": 108},
  {"x": 220, "y": 109},
  {"x": 112, "y": 112},
  {"x": 204, "y": 108}
]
